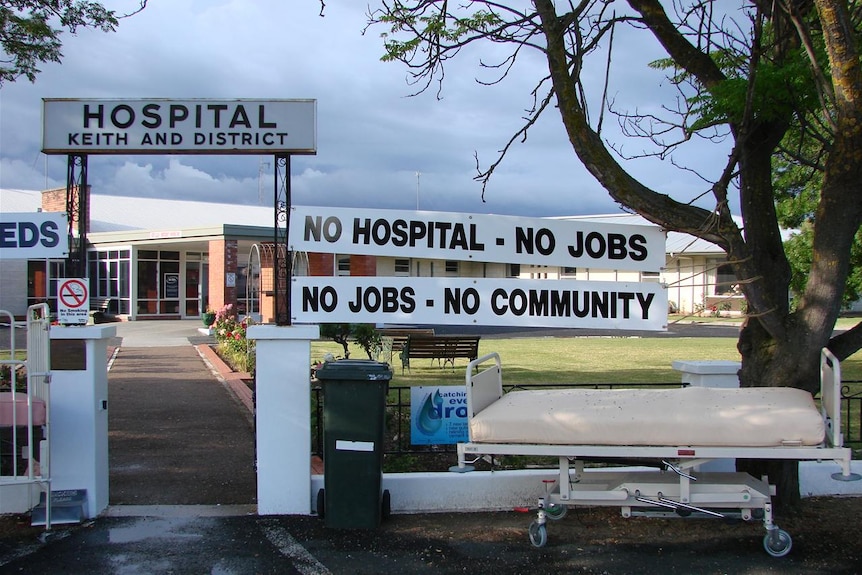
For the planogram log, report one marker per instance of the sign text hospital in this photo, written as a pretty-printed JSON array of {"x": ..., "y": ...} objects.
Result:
[{"x": 179, "y": 126}]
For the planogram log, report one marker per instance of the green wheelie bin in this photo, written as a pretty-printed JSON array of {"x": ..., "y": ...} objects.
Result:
[{"x": 354, "y": 405}]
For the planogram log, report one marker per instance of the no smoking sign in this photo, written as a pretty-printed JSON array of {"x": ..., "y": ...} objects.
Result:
[{"x": 73, "y": 301}]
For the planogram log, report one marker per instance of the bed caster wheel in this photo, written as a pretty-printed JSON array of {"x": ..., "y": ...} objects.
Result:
[
  {"x": 386, "y": 505},
  {"x": 556, "y": 512},
  {"x": 321, "y": 504},
  {"x": 777, "y": 544},
  {"x": 538, "y": 534}
]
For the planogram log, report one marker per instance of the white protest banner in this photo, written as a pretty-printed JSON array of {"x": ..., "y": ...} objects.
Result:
[
  {"x": 469, "y": 301},
  {"x": 477, "y": 237},
  {"x": 33, "y": 235}
]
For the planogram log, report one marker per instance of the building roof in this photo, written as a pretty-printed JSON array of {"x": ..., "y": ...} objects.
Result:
[{"x": 127, "y": 213}]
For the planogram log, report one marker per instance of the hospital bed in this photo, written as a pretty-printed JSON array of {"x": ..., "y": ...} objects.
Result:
[{"x": 682, "y": 428}]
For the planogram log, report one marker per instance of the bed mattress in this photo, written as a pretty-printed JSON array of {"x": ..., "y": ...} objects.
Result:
[
  {"x": 20, "y": 410},
  {"x": 688, "y": 416}
]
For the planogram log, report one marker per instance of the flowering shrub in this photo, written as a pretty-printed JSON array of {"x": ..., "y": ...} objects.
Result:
[{"x": 232, "y": 344}]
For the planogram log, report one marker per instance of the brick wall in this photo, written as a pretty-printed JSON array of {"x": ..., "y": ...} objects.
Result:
[
  {"x": 223, "y": 260},
  {"x": 321, "y": 264},
  {"x": 54, "y": 200},
  {"x": 363, "y": 265}
]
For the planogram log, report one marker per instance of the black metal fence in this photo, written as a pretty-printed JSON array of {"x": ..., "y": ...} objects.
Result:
[
  {"x": 398, "y": 417},
  {"x": 851, "y": 412}
]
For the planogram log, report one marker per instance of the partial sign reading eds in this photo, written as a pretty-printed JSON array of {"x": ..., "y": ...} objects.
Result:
[{"x": 477, "y": 237}]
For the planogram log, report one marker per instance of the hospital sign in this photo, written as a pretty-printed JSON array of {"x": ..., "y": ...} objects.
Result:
[{"x": 167, "y": 126}]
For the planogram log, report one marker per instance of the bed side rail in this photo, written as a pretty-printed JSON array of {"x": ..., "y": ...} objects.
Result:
[
  {"x": 39, "y": 351},
  {"x": 485, "y": 386},
  {"x": 830, "y": 397}
]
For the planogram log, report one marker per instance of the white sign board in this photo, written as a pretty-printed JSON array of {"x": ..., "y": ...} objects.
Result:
[
  {"x": 477, "y": 237},
  {"x": 160, "y": 126},
  {"x": 471, "y": 301},
  {"x": 73, "y": 301},
  {"x": 33, "y": 235}
]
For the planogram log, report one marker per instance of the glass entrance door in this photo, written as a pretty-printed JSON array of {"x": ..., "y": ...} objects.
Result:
[
  {"x": 158, "y": 283},
  {"x": 193, "y": 289},
  {"x": 196, "y": 286}
]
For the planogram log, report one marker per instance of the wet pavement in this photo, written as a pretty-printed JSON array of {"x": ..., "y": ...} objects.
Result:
[{"x": 596, "y": 541}]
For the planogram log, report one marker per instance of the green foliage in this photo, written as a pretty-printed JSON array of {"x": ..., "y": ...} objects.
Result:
[
  {"x": 426, "y": 26},
  {"x": 781, "y": 90},
  {"x": 777, "y": 90},
  {"x": 30, "y": 31},
  {"x": 797, "y": 181},
  {"x": 339, "y": 333},
  {"x": 6, "y": 379},
  {"x": 798, "y": 250},
  {"x": 366, "y": 337}
]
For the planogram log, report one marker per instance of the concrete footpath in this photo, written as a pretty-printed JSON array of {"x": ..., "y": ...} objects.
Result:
[{"x": 182, "y": 500}]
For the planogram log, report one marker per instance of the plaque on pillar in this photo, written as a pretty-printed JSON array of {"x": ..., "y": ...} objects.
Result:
[{"x": 68, "y": 354}]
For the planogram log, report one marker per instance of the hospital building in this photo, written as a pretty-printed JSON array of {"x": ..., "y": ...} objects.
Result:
[{"x": 153, "y": 258}]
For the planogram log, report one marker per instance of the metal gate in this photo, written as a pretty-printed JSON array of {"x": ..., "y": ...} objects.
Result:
[{"x": 25, "y": 407}]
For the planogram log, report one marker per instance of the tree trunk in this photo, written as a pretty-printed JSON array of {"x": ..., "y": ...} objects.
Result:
[
  {"x": 778, "y": 347},
  {"x": 783, "y": 473}
]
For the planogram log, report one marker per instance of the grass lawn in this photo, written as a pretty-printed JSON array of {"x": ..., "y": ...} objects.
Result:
[{"x": 576, "y": 360}]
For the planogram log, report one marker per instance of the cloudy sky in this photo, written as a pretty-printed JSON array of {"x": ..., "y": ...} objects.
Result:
[{"x": 373, "y": 139}]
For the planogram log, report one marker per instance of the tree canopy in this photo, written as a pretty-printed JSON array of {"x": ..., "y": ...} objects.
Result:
[
  {"x": 30, "y": 31},
  {"x": 781, "y": 81}
]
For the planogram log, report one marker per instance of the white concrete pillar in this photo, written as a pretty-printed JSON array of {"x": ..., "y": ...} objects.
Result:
[
  {"x": 283, "y": 417},
  {"x": 709, "y": 373},
  {"x": 79, "y": 412}
]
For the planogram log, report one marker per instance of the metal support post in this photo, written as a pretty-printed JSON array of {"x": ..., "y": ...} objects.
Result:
[
  {"x": 77, "y": 210},
  {"x": 282, "y": 259}
]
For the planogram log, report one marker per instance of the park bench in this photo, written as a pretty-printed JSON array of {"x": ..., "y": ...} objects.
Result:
[
  {"x": 99, "y": 308},
  {"x": 394, "y": 339},
  {"x": 443, "y": 348}
]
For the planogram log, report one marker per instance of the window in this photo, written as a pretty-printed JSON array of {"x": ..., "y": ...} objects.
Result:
[
  {"x": 41, "y": 284},
  {"x": 650, "y": 277},
  {"x": 725, "y": 279},
  {"x": 109, "y": 278},
  {"x": 343, "y": 263},
  {"x": 402, "y": 267},
  {"x": 158, "y": 282},
  {"x": 539, "y": 272}
]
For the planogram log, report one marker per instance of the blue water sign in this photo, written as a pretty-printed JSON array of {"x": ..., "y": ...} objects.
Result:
[{"x": 438, "y": 415}]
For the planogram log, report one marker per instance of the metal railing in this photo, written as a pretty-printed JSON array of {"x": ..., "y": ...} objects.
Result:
[
  {"x": 851, "y": 411},
  {"x": 24, "y": 382}
]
